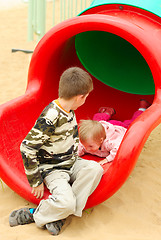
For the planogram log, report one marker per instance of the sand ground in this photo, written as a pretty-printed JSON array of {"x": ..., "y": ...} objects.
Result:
[{"x": 133, "y": 213}]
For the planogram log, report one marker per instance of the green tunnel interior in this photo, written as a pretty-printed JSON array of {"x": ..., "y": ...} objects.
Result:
[{"x": 115, "y": 62}]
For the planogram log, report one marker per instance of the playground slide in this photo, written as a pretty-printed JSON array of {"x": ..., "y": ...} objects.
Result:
[{"x": 119, "y": 45}]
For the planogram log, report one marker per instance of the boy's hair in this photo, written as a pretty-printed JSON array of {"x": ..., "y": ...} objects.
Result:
[
  {"x": 73, "y": 82},
  {"x": 90, "y": 129}
]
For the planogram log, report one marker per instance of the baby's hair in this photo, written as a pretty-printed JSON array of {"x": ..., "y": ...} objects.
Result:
[
  {"x": 90, "y": 129},
  {"x": 73, "y": 82}
]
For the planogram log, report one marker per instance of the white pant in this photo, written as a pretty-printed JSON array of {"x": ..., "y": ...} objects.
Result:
[{"x": 69, "y": 191}]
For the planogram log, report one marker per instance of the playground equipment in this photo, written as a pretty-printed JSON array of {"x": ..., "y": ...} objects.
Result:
[
  {"x": 62, "y": 9},
  {"x": 36, "y": 18},
  {"x": 122, "y": 41}
]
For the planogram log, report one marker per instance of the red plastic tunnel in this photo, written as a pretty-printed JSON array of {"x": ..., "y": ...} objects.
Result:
[{"x": 139, "y": 34}]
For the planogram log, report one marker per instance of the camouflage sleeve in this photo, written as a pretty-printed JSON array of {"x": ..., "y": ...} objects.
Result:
[
  {"x": 31, "y": 166},
  {"x": 29, "y": 148}
]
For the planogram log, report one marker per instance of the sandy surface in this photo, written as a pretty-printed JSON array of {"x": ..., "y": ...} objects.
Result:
[
  {"x": 8, "y": 4},
  {"x": 133, "y": 213}
]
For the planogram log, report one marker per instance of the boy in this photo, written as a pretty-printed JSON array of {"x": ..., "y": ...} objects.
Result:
[{"x": 49, "y": 154}]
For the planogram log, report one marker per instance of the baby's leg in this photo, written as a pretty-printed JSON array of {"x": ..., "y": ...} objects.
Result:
[
  {"x": 118, "y": 123},
  {"x": 101, "y": 117},
  {"x": 60, "y": 204},
  {"x": 104, "y": 114},
  {"x": 126, "y": 123},
  {"x": 135, "y": 115}
]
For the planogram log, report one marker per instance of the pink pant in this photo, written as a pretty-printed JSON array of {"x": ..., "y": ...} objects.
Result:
[{"x": 106, "y": 117}]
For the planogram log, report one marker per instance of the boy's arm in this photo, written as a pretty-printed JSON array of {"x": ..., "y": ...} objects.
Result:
[
  {"x": 40, "y": 133},
  {"x": 29, "y": 156}
]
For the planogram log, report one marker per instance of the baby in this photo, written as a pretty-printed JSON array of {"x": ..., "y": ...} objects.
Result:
[{"x": 102, "y": 136}]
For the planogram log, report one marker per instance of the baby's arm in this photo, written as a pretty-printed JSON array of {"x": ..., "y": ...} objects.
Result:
[
  {"x": 110, "y": 157},
  {"x": 102, "y": 162},
  {"x": 81, "y": 149}
]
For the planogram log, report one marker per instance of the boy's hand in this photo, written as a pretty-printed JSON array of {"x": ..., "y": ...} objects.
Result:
[{"x": 38, "y": 191}]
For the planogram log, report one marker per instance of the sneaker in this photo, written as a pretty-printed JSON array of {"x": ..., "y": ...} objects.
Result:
[
  {"x": 144, "y": 104},
  {"x": 20, "y": 217},
  {"x": 54, "y": 228},
  {"x": 110, "y": 111}
]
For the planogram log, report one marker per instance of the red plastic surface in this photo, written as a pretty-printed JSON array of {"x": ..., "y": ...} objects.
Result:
[{"x": 56, "y": 52}]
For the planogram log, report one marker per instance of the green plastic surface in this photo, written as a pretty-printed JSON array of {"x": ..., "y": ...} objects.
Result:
[
  {"x": 153, "y": 6},
  {"x": 115, "y": 62}
]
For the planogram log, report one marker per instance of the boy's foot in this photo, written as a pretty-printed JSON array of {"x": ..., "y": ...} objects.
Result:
[
  {"x": 144, "y": 104},
  {"x": 54, "y": 228},
  {"x": 20, "y": 217},
  {"x": 108, "y": 110}
]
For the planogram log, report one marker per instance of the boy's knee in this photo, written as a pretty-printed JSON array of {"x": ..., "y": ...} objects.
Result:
[
  {"x": 96, "y": 168},
  {"x": 68, "y": 204}
]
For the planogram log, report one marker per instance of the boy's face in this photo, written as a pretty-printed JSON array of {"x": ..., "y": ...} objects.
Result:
[{"x": 79, "y": 101}]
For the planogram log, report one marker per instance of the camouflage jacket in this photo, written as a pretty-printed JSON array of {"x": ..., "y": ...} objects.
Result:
[{"x": 51, "y": 144}]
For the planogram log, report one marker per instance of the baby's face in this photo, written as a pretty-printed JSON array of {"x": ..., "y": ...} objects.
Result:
[{"x": 91, "y": 146}]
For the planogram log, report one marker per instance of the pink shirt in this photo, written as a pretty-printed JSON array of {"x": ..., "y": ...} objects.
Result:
[{"x": 109, "y": 147}]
